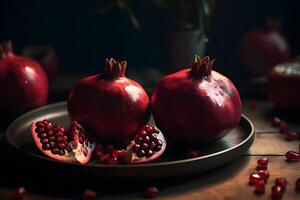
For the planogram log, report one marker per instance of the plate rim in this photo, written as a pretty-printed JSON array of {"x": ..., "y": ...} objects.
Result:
[{"x": 251, "y": 136}]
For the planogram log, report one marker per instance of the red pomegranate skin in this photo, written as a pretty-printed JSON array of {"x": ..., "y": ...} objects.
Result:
[
  {"x": 262, "y": 49},
  {"x": 110, "y": 105},
  {"x": 196, "y": 109},
  {"x": 23, "y": 83},
  {"x": 283, "y": 85}
]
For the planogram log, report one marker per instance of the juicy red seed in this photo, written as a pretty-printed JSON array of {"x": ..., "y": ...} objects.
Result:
[
  {"x": 44, "y": 141},
  {"x": 112, "y": 161},
  {"x": 152, "y": 192},
  {"x": 193, "y": 153},
  {"x": 61, "y": 152},
  {"x": 137, "y": 147},
  {"x": 153, "y": 136},
  {"x": 264, "y": 174},
  {"x": 117, "y": 153},
  {"x": 283, "y": 127},
  {"x": 20, "y": 193},
  {"x": 260, "y": 186},
  {"x": 55, "y": 151},
  {"x": 158, "y": 142},
  {"x": 263, "y": 162},
  {"x": 52, "y": 144},
  {"x": 145, "y": 146},
  {"x": 61, "y": 146},
  {"x": 149, "y": 153},
  {"x": 277, "y": 192},
  {"x": 140, "y": 153},
  {"x": 158, "y": 148},
  {"x": 152, "y": 146},
  {"x": 43, "y": 135},
  {"x": 292, "y": 156},
  {"x": 276, "y": 121},
  {"x": 143, "y": 134},
  {"x": 290, "y": 136},
  {"x": 46, "y": 147},
  {"x": 297, "y": 184},
  {"x": 89, "y": 195},
  {"x": 52, "y": 138},
  {"x": 281, "y": 181},
  {"x": 60, "y": 139},
  {"x": 253, "y": 178},
  {"x": 139, "y": 139},
  {"x": 147, "y": 139}
]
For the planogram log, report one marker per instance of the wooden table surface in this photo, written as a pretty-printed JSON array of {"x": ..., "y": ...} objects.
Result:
[{"x": 226, "y": 182}]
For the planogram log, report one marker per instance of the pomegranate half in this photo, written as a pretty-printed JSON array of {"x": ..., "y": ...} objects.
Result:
[
  {"x": 109, "y": 105},
  {"x": 196, "y": 104},
  {"x": 23, "y": 82}
]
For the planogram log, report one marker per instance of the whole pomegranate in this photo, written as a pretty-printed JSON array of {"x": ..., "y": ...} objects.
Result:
[
  {"x": 196, "y": 104},
  {"x": 23, "y": 83},
  {"x": 283, "y": 85},
  {"x": 262, "y": 49},
  {"x": 109, "y": 105}
]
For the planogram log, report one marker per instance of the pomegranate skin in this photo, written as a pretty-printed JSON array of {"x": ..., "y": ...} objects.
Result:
[
  {"x": 23, "y": 82},
  {"x": 283, "y": 85},
  {"x": 196, "y": 109},
  {"x": 109, "y": 105},
  {"x": 262, "y": 49}
]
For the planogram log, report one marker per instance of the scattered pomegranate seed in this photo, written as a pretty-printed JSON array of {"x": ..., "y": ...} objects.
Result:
[
  {"x": 192, "y": 153},
  {"x": 260, "y": 186},
  {"x": 292, "y": 156},
  {"x": 20, "y": 193},
  {"x": 264, "y": 174},
  {"x": 290, "y": 136},
  {"x": 262, "y": 163},
  {"x": 152, "y": 192},
  {"x": 89, "y": 195},
  {"x": 276, "y": 121},
  {"x": 284, "y": 128},
  {"x": 277, "y": 192},
  {"x": 253, "y": 178},
  {"x": 281, "y": 181},
  {"x": 297, "y": 185}
]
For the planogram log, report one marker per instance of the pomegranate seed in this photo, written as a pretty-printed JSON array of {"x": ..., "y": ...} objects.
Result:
[
  {"x": 290, "y": 136},
  {"x": 298, "y": 184},
  {"x": 20, "y": 193},
  {"x": 152, "y": 192},
  {"x": 264, "y": 174},
  {"x": 284, "y": 128},
  {"x": 253, "y": 178},
  {"x": 281, "y": 181},
  {"x": 89, "y": 195},
  {"x": 276, "y": 121},
  {"x": 277, "y": 192},
  {"x": 263, "y": 163},
  {"x": 292, "y": 156},
  {"x": 260, "y": 186},
  {"x": 193, "y": 153},
  {"x": 113, "y": 161}
]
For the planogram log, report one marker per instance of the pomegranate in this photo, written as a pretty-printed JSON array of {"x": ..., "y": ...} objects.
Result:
[
  {"x": 262, "y": 49},
  {"x": 147, "y": 145},
  {"x": 196, "y": 104},
  {"x": 283, "y": 85},
  {"x": 73, "y": 145},
  {"x": 109, "y": 105},
  {"x": 23, "y": 83},
  {"x": 47, "y": 56}
]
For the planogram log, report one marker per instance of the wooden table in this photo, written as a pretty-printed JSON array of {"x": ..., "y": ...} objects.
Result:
[{"x": 227, "y": 182}]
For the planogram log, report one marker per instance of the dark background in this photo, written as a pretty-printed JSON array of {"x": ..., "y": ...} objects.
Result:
[{"x": 83, "y": 38}]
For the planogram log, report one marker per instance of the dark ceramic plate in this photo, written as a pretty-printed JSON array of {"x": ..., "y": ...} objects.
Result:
[{"x": 172, "y": 164}]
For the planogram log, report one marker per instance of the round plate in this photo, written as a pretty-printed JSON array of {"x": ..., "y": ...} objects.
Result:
[{"x": 172, "y": 164}]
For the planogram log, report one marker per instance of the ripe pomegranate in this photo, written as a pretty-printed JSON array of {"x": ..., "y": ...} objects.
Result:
[
  {"x": 109, "y": 105},
  {"x": 73, "y": 145},
  {"x": 283, "y": 85},
  {"x": 196, "y": 104},
  {"x": 47, "y": 56},
  {"x": 262, "y": 49},
  {"x": 23, "y": 83},
  {"x": 147, "y": 145}
]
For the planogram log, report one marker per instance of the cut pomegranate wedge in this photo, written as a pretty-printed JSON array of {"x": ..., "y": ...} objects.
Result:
[
  {"x": 148, "y": 145},
  {"x": 72, "y": 146}
]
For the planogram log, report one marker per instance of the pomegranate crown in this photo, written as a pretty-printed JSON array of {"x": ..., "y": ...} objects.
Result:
[
  {"x": 115, "y": 69},
  {"x": 202, "y": 66},
  {"x": 6, "y": 48}
]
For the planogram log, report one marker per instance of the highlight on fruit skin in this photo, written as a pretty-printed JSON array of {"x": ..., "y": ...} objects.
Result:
[{"x": 196, "y": 104}]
